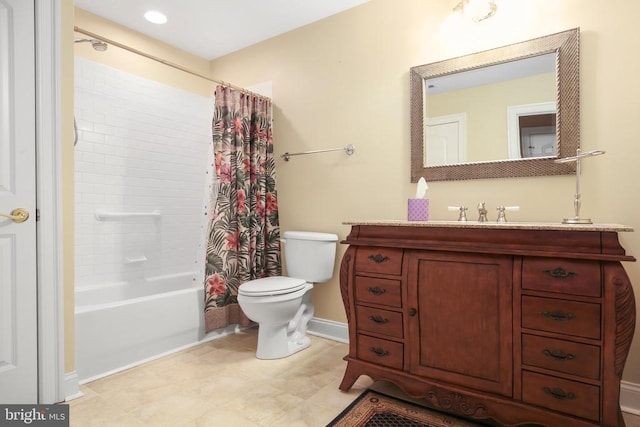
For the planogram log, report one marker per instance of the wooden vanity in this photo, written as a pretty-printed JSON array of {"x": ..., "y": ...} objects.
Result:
[{"x": 503, "y": 323}]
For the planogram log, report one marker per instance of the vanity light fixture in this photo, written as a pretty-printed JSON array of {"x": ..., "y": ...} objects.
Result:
[
  {"x": 155, "y": 17},
  {"x": 576, "y": 201},
  {"x": 477, "y": 10}
]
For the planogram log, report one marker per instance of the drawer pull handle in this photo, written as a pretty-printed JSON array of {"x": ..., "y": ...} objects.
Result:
[
  {"x": 558, "y": 315},
  {"x": 381, "y": 352},
  {"x": 378, "y": 258},
  {"x": 379, "y": 319},
  {"x": 559, "y": 394},
  {"x": 558, "y": 354},
  {"x": 413, "y": 312},
  {"x": 560, "y": 273},
  {"x": 376, "y": 290}
]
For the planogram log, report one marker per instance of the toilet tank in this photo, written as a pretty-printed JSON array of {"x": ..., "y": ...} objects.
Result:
[{"x": 310, "y": 255}]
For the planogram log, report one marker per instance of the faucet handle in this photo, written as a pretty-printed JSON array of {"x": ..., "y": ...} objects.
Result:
[
  {"x": 502, "y": 212},
  {"x": 463, "y": 212}
]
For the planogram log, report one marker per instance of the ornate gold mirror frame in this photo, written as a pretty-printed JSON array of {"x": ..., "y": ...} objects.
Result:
[{"x": 566, "y": 46}]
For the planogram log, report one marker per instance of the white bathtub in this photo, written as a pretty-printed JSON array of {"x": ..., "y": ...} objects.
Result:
[{"x": 125, "y": 324}]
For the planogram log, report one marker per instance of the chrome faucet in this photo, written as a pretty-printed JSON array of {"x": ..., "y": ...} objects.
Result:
[{"x": 482, "y": 212}]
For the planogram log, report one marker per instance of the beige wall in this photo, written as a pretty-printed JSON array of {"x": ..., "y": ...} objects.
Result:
[{"x": 345, "y": 80}]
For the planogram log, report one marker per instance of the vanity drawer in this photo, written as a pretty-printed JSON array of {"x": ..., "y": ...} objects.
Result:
[
  {"x": 562, "y": 276},
  {"x": 379, "y": 321},
  {"x": 378, "y": 291},
  {"x": 580, "y": 319},
  {"x": 381, "y": 352},
  {"x": 571, "y": 397},
  {"x": 379, "y": 260},
  {"x": 562, "y": 356}
]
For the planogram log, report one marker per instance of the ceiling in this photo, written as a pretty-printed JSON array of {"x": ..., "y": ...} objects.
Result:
[
  {"x": 213, "y": 28},
  {"x": 518, "y": 69}
]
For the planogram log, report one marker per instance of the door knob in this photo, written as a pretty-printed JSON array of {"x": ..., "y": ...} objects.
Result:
[{"x": 17, "y": 215}]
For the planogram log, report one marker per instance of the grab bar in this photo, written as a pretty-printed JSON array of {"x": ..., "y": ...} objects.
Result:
[
  {"x": 75, "y": 132},
  {"x": 135, "y": 260},
  {"x": 349, "y": 149},
  {"x": 104, "y": 215}
]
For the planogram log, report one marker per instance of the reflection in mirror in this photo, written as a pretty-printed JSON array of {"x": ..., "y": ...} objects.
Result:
[
  {"x": 505, "y": 112},
  {"x": 469, "y": 115},
  {"x": 532, "y": 130}
]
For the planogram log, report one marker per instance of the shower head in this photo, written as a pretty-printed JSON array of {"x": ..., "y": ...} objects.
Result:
[{"x": 98, "y": 45}]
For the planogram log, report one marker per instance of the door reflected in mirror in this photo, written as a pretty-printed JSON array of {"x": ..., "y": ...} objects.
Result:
[{"x": 532, "y": 131}]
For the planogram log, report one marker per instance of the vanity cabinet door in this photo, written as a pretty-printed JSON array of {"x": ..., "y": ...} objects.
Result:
[{"x": 460, "y": 319}]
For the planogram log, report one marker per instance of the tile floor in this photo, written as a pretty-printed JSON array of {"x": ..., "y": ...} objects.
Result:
[{"x": 221, "y": 383}]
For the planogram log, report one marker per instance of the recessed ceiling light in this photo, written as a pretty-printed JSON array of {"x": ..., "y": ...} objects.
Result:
[{"x": 155, "y": 17}]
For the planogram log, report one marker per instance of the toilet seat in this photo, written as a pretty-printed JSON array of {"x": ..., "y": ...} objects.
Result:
[{"x": 271, "y": 286}]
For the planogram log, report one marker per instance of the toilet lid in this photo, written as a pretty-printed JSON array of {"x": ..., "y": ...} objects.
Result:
[{"x": 276, "y": 285}]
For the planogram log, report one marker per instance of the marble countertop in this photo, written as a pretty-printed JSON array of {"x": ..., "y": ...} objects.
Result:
[{"x": 496, "y": 225}]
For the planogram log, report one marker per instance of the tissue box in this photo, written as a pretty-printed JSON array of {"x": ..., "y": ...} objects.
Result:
[{"x": 418, "y": 210}]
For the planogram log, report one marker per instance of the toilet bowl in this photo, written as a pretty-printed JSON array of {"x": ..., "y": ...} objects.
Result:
[
  {"x": 282, "y": 305},
  {"x": 279, "y": 305}
]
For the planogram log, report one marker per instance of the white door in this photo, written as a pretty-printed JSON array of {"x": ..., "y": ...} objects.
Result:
[
  {"x": 18, "y": 310},
  {"x": 442, "y": 144},
  {"x": 445, "y": 140}
]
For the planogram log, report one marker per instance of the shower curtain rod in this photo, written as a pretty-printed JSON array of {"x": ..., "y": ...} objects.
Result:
[{"x": 163, "y": 61}]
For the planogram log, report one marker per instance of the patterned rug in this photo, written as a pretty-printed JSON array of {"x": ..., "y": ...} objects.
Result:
[{"x": 373, "y": 409}]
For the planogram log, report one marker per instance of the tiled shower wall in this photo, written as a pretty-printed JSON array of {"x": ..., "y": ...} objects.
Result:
[{"x": 143, "y": 147}]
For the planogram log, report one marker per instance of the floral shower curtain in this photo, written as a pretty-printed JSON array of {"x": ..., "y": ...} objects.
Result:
[{"x": 244, "y": 232}]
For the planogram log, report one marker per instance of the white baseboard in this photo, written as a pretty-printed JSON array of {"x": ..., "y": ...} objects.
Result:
[
  {"x": 329, "y": 329},
  {"x": 71, "y": 386},
  {"x": 630, "y": 397}
]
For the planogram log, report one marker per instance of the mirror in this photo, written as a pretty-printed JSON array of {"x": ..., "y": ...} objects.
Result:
[{"x": 520, "y": 123}]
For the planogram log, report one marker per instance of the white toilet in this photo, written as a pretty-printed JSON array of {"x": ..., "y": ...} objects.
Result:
[{"x": 281, "y": 305}]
